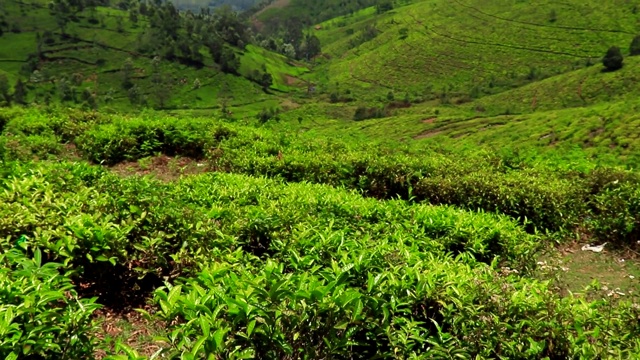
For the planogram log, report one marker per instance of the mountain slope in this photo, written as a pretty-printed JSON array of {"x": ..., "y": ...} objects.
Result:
[
  {"x": 470, "y": 47},
  {"x": 97, "y": 48}
]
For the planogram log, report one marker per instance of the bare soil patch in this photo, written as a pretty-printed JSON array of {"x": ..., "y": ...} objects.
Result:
[
  {"x": 131, "y": 329},
  {"x": 291, "y": 80},
  {"x": 617, "y": 272},
  {"x": 165, "y": 168},
  {"x": 427, "y": 134},
  {"x": 289, "y": 104}
]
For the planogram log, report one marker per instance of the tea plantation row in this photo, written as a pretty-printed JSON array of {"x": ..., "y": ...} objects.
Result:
[
  {"x": 603, "y": 203},
  {"x": 259, "y": 268}
]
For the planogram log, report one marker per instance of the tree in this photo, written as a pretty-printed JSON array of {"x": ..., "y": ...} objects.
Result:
[
  {"x": 133, "y": 15},
  {"x": 161, "y": 90},
  {"x": 224, "y": 97},
  {"x": 61, "y": 10},
  {"x": 90, "y": 99},
  {"x": 229, "y": 26},
  {"x": 77, "y": 79},
  {"x": 383, "y": 6},
  {"x": 134, "y": 95},
  {"x": 65, "y": 90},
  {"x": 229, "y": 62},
  {"x": 215, "y": 45},
  {"x": 119, "y": 25},
  {"x": 289, "y": 51},
  {"x": 4, "y": 88},
  {"x": 613, "y": 60},
  {"x": 312, "y": 46},
  {"x": 127, "y": 73},
  {"x": 20, "y": 93},
  {"x": 266, "y": 80},
  {"x": 634, "y": 49}
]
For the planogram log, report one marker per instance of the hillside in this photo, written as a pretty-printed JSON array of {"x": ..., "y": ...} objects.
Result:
[
  {"x": 454, "y": 49},
  {"x": 585, "y": 113},
  {"x": 102, "y": 53},
  {"x": 340, "y": 179},
  {"x": 196, "y": 5}
]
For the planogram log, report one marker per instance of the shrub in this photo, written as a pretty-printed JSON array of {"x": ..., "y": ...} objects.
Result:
[
  {"x": 42, "y": 316},
  {"x": 613, "y": 59},
  {"x": 634, "y": 48},
  {"x": 364, "y": 113}
]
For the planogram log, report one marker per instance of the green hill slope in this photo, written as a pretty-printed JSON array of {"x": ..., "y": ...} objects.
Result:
[
  {"x": 98, "y": 48},
  {"x": 467, "y": 48}
]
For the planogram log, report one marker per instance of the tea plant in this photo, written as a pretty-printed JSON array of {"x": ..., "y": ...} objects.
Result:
[{"x": 41, "y": 315}]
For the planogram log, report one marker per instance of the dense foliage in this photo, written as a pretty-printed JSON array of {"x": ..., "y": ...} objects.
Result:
[
  {"x": 41, "y": 315},
  {"x": 265, "y": 264},
  {"x": 171, "y": 235},
  {"x": 540, "y": 197}
]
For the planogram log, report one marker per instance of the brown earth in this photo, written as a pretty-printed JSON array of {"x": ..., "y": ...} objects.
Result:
[{"x": 163, "y": 167}]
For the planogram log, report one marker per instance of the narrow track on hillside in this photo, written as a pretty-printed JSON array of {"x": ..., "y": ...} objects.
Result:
[
  {"x": 477, "y": 42},
  {"x": 70, "y": 58}
]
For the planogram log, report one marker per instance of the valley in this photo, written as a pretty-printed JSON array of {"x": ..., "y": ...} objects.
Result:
[{"x": 359, "y": 179}]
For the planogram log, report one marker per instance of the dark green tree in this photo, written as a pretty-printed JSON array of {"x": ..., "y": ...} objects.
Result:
[
  {"x": 20, "y": 93},
  {"x": 383, "y": 6},
  {"x": 127, "y": 74},
  {"x": 266, "y": 80},
  {"x": 613, "y": 59},
  {"x": 312, "y": 46},
  {"x": 65, "y": 91},
  {"x": 134, "y": 95},
  {"x": 215, "y": 45},
  {"x": 229, "y": 61},
  {"x": 230, "y": 26},
  {"x": 4, "y": 88},
  {"x": 133, "y": 15},
  {"x": 61, "y": 10},
  {"x": 90, "y": 99},
  {"x": 161, "y": 89},
  {"x": 634, "y": 48}
]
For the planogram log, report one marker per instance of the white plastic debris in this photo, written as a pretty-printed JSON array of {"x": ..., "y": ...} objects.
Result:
[
  {"x": 596, "y": 249},
  {"x": 631, "y": 277}
]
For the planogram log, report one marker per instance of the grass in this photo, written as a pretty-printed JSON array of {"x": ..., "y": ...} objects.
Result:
[{"x": 577, "y": 271}]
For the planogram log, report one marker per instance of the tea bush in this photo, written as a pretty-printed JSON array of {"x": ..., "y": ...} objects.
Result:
[
  {"x": 424, "y": 309},
  {"x": 542, "y": 198},
  {"x": 41, "y": 315},
  {"x": 145, "y": 221},
  {"x": 257, "y": 267}
]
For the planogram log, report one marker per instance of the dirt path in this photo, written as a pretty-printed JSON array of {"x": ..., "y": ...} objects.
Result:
[{"x": 163, "y": 167}]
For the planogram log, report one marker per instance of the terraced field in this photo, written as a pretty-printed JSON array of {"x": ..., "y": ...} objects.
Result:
[{"x": 477, "y": 47}]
